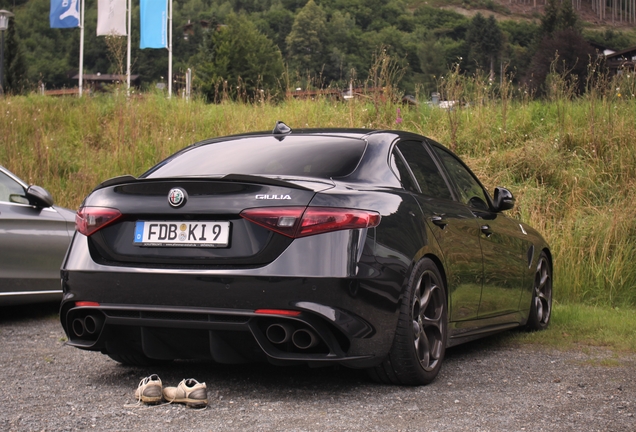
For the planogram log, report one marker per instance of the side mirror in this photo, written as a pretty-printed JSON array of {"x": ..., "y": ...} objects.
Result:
[
  {"x": 39, "y": 197},
  {"x": 503, "y": 199}
]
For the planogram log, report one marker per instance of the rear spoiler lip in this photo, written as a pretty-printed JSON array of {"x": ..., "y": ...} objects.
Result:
[
  {"x": 291, "y": 182},
  {"x": 115, "y": 181}
]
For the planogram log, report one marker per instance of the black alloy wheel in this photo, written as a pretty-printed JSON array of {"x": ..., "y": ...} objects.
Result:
[
  {"x": 420, "y": 339},
  {"x": 541, "y": 307}
]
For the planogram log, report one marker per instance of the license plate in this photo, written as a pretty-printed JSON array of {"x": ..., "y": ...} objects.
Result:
[{"x": 182, "y": 234}]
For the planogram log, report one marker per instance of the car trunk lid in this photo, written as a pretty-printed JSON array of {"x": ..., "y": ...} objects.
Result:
[{"x": 171, "y": 234}]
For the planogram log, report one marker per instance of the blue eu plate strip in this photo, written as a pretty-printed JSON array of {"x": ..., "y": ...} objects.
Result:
[{"x": 139, "y": 232}]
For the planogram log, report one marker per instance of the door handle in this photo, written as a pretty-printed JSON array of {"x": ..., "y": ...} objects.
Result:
[
  {"x": 439, "y": 221},
  {"x": 486, "y": 230}
]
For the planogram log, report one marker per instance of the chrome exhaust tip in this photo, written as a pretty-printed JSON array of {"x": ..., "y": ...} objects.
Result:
[
  {"x": 93, "y": 324},
  {"x": 78, "y": 327},
  {"x": 304, "y": 339},
  {"x": 279, "y": 333}
]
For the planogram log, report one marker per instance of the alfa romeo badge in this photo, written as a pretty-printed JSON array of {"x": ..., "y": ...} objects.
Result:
[{"x": 176, "y": 197}]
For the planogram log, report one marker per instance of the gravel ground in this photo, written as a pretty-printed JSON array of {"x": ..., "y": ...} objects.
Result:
[{"x": 483, "y": 386}]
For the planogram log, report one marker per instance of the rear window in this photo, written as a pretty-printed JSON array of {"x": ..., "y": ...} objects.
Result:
[{"x": 307, "y": 156}]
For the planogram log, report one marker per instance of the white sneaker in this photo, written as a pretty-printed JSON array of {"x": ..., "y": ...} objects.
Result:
[
  {"x": 189, "y": 391},
  {"x": 149, "y": 390}
]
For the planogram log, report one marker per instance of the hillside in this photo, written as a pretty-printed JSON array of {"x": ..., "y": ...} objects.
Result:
[
  {"x": 526, "y": 10},
  {"x": 269, "y": 46}
]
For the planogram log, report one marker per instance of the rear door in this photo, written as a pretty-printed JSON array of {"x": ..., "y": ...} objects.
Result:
[{"x": 455, "y": 228}]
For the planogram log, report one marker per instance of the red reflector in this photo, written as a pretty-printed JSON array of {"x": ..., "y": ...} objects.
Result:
[
  {"x": 297, "y": 222},
  {"x": 91, "y": 219},
  {"x": 277, "y": 312},
  {"x": 85, "y": 303}
]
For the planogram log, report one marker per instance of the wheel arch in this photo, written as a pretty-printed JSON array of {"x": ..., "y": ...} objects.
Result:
[
  {"x": 440, "y": 266},
  {"x": 403, "y": 364}
]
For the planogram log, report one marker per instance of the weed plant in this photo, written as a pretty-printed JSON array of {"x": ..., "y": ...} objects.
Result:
[{"x": 570, "y": 161}]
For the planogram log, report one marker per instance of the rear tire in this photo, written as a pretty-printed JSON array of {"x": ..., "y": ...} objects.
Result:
[
  {"x": 419, "y": 344},
  {"x": 137, "y": 360}
]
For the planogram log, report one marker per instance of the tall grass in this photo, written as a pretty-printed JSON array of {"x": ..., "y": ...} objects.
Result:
[{"x": 571, "y": 162}]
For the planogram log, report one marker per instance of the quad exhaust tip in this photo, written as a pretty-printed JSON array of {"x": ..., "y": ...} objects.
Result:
[
  {"x": 302, "y": 338},
  {"x": 88, "y": 326},
  {"x": 279, "y": 333},
  {"x": 78, "y": 327}
]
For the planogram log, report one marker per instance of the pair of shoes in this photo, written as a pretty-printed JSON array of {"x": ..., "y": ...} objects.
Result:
[{"x": 189, "y": 391}]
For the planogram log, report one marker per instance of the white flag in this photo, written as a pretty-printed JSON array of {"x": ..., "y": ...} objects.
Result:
[{"x": 111, "y": 18}]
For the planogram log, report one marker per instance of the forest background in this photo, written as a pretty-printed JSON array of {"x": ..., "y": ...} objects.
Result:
[{"x": 278, "y": 45}]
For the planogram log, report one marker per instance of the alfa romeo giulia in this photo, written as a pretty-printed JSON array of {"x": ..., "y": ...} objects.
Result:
[{"x": 370, "y": 249}]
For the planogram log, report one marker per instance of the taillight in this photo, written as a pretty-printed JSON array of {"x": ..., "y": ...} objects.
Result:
[
  {"x": 317, "y": 220},
  {"x": 283, "y": 220},
  {"x": 91, "y": 219},
  {"x": 297, "y": 222}
]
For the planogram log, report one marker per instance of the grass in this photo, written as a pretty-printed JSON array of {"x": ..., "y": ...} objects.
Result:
[{"x": 586, "y": 328}]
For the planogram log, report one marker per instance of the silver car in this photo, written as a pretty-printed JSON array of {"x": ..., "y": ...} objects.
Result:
[{"x": 34, "y": 237}]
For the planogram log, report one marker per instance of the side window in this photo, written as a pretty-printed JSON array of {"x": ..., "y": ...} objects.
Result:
[
  {"x": 8, "y": 187},
  {"x": 401, "y": 172},
  {"x": 470, "y": 191},
  {"x": 426, "y": 173}
]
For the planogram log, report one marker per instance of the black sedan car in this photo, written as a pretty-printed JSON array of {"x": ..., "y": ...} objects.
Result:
[{"x": 369, "y": 249}]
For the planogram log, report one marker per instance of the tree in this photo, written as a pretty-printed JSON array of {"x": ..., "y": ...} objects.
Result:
[
  {"x": 343, "y": 49},
  {"x": 14, "y": 67},
  {"x": 278, "y": 23},
  {"x": 561, "y": 37},
  {"x": 433, "y": 63},
  {"x": 240, "y": 55},
  {"x": 550, "y": 17},
  {"x": 559, "y": 15},
  {"x": 568, "y": 19},
  {"x": 305, "y": 43},
  {"x": 484, "y": 40},
  {"x": 567, "y": 52}
]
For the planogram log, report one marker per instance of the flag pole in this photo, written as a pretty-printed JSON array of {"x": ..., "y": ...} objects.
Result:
[
  {"x": 128, "y": 52},
  {"x": 81, "y": 59},
  {"x": 170, "y": 52}
]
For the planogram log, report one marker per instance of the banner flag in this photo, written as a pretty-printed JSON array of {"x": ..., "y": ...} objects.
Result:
[
  {"x": 154, "y": 24},
  {"x": 64, "y": 14},
  {"x": 111, "y": 18}
]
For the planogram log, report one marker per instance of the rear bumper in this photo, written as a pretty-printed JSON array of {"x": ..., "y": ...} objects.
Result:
[
  {"x": 219, "y": 335},
  {"x": 212, "y": 314}
]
